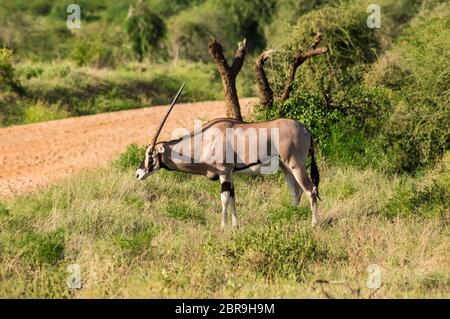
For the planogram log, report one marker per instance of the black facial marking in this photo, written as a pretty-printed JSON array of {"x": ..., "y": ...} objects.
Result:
[{"x": 227, "y": 187}]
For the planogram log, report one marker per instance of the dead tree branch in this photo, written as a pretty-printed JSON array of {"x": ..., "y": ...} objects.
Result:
[
  {"x": 264, "y": 89},
  {"x": 228, "y": 74},
  {"x": 298, "y": 60}
]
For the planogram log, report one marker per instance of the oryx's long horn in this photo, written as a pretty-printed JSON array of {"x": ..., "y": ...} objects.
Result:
[{"x": 167, "y": 115}]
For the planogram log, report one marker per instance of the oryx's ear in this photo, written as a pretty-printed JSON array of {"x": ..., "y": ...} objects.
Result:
[{"x": 159, "y": 148}]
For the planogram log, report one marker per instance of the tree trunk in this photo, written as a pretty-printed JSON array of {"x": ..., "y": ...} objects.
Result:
[
  {"x": 264, "y": 89},
  {"x": 229, "y": 74}
]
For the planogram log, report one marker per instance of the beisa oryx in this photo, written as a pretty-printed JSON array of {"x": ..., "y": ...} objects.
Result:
[{"x": 226, "y": 146}]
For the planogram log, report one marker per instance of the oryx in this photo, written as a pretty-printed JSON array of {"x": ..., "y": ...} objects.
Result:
[{"x": 214, "y": 151}]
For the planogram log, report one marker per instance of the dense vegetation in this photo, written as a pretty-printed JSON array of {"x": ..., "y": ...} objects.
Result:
[
  {"x": 380, "y": 97},
  {"x": 377, "y": 104}
]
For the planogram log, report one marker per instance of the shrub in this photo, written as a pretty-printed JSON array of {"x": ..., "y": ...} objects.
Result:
[
  {"x": 417, "y": 133},
  {"x": 392, "y": 115},
  {"x": 145, "y": 29},
  {"x": 92, "y": 53},
  {"x": 131, "y": 158},
  {"x": 8, "y": 78}
]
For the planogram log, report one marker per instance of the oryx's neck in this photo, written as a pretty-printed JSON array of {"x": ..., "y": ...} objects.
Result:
[{"x": 171, "y": 164}]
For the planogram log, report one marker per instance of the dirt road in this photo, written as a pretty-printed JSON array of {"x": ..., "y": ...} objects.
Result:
[{"x": 38, "y": 154}]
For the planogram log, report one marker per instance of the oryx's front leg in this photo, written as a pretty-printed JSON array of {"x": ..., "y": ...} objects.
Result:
[{"x": 228, "y": 199}]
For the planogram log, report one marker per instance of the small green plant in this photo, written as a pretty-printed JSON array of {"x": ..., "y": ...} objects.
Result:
[
  {"x": 131, "y": 158},
  {"x": 8, "y": 79}
]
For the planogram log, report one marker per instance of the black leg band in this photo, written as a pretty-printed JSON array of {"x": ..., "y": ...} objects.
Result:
[{"x": 227, "y": 187}]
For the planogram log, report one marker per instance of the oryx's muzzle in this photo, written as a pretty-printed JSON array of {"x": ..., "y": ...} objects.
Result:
[{"x": 142, "y": 174}]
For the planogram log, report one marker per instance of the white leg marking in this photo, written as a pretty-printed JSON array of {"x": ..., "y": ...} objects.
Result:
[
  {"x": 225, "y": 198},
  {"x": 294, "y": 187},
  {"x": 234, "y": 220},
  {"x": 305, "y": 182}
]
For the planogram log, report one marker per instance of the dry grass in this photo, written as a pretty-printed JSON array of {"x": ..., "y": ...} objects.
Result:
[{"x": 161, "y": 238}]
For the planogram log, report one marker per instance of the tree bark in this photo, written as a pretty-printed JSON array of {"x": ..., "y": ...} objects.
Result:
[
  {"x": 298, "y": 60},
  {"x": 264, "y": 89},
  {"x": 229, "y": 74}
]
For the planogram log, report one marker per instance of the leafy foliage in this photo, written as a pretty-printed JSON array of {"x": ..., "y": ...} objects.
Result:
[
  {"x": 132, "y": 157},
  {"x": 390, "y": 112},
  {"x": 8, "y": 79},
  {"x": 145, "y": 29}
]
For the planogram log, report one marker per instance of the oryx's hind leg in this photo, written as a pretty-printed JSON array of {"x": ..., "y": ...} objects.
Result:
[
  {"x": 307, "y": 185},
  {"x": 228, "y": 199},
  {"x": 294, "y": 187}
]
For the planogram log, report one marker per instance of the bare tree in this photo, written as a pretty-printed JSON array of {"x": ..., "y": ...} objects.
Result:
[
  {"x": 298, "y": 60},
  {"x": 266, "y": 96},
  {"x": 228, "y": 74},
  {"x": 265, "y": 91}
]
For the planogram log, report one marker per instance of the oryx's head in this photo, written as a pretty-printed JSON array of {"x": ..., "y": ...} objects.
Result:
[{"x": 152, "y": 160}]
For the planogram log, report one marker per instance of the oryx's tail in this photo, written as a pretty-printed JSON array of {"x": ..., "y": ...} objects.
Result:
[{"x": 315, "y": 177}]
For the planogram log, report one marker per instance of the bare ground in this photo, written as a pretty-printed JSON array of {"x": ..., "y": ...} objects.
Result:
[{"x": 37, "y": 154}]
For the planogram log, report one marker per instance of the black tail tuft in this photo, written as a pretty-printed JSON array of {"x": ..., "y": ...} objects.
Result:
[{"x": 315, "y": 177}]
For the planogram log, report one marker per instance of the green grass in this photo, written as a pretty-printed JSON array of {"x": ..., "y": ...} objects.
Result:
[{"x": 161, "y": 237}]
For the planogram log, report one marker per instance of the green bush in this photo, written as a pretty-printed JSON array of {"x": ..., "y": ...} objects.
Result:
[
  {"x": 417, "y": 133},
  {"x": 390, "y": 113},
  {"x": 91, "y": 53},
  {"x": 145, "y": 29},
  {"x": 131, "y": 158},
  {"x": 8, "y": 79}
]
